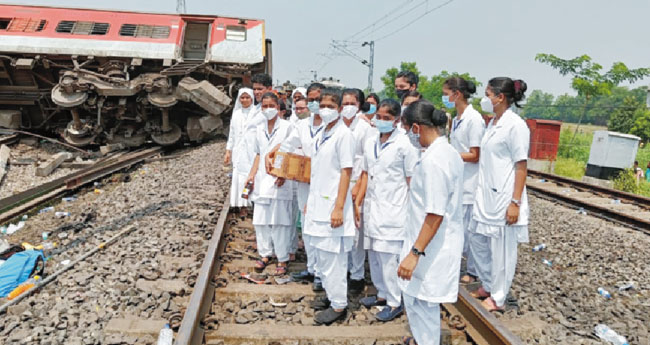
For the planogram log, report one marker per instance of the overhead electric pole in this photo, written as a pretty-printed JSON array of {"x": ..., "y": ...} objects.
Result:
[
  {"x": 180, "y": 6},
  {"x": 371, "y": 64}
]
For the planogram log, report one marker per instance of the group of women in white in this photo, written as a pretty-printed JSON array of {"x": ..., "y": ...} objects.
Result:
[{"x": 396, "y": 180}]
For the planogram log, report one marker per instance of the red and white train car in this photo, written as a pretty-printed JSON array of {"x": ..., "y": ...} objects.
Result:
[{"x": 100, "y": 76}]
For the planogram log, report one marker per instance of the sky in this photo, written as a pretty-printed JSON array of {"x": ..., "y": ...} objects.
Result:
[{"x": 483, "y": 38}]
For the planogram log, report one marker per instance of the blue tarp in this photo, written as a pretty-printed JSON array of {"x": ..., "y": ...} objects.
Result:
[{"x": 17, "y": 269}]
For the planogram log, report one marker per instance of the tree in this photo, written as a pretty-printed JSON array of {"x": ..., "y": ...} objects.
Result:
[
  {"x": 641, "y": 125},
  {"x": 622, "y": 118},
  {"x": 540, "y": 105},
  {"x": 588, "y": 81}
]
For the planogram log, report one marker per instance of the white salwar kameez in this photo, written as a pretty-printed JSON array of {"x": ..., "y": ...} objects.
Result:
[
  {"x": 273, "y": 212},
  {"x": 503, "y": 145},
  {"x": 333, "y": 152},
  {"x": 388, "y": 166},
  {"x": 466, "y": 132},
  {"x": 240, "y": 144},
  {"x": 436, "y": 188}
]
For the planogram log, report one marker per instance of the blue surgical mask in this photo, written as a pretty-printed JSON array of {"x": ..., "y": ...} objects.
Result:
[
  {"x": 414, "y": 138},
  {"x": 313, "y": 106},
  {"x": 447, "y": 103},
  {"x": 372, "y": 110},
  {"x": 383, "y": 126}
]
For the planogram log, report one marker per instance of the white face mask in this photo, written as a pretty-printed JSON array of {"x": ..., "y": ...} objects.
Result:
[
  {"x": 328, "y": 115},
  {"x": 486, "y": 105},
  {"x": 270, "y": 113},
  {"x": 414, "y": 138},
  {"x": 349, "y": 111}
]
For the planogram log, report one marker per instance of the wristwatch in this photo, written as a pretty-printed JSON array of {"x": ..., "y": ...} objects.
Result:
[
  {"x": 516, "y": 202},
  {"x": 416, "y": 252}
]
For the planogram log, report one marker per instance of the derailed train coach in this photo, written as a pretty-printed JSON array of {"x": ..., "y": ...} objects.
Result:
[{"x": 97, "y": 76}]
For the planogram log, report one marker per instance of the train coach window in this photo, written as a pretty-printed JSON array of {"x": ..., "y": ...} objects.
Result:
[
  {"x": 236, "y": 33},
  {"x": 82, "y": 28},
  {"x": 25, "y": 25},
  {"x": 139, "y": 30},
  {"x": 4, "y": 23}
]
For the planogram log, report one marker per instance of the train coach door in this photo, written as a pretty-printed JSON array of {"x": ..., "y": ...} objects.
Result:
[{"x": 195, "y": 41}]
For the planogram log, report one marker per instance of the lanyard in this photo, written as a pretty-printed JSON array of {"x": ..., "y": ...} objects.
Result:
[
  {"x": 311, "y": 131},
  {"x": 269, "y": 137},
  {"x": 456, "y": 124},
  {"x": 381, "y": 147},
  {"x": 322, "y": 142}
]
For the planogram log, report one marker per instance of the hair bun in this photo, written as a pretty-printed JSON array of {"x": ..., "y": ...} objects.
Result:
[
  {"x": 365, "y": 107},
  {"x": 520, "y": 89},
  {"x": 439, "y": 118},
  {"x": 471, "y": 87}
]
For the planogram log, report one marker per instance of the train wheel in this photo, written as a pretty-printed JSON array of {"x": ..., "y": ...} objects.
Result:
[
  {"x": 78, "y": 137},
  {"x": 168, "y": 138}
]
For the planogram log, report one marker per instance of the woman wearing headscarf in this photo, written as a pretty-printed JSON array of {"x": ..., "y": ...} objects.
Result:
[
  {"x": 239, "y": 148},
  {"x": 298, "y": 93}
]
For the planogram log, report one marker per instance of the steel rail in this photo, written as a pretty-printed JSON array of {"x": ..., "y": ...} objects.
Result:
[
  {"x": 190, "y": 331},
  {"x": 18, "y": 203}
]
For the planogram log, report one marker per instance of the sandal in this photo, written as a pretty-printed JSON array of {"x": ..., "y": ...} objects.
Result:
[
  {"x": 261, "y": 264},
  {"x": 480, "y": 293},
  {"x": 468, "y": 279},
  {"x": 491, "y": 306},
  {"x": 281, "y": 269},
  {"x": 409, "y": 341}
]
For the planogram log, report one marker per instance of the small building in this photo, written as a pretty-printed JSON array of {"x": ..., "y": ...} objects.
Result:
[
  {"x": 610, "y": 153},
  {"x": 544, "y": 141}
]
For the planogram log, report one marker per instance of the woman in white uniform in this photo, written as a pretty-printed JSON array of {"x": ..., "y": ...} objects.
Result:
[
  {"x": 273, "y": 213},
  {"x": 433, "y": 243},
  {"x": 467, "y": 130},
  {"x": 389, "y": 159},
  {"x": 238, "y": 147},
  {"x": 362, "y": 131},
  {"x": 501, "y": 204},
  {"x": 329, "y": 216}
]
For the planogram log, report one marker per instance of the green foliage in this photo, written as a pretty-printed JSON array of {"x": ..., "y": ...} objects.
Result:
[
  {"x": 622, "y": 118},
  {"x": 578, "y": 150},
  {"x": 641, "y": 126},
  {"x": 570, "y": 167},
  {"x": 626, "y": 181},
  {"x": 430, "y": 88}
]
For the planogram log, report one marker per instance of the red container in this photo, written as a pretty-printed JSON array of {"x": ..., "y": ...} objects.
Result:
[{"x": 544, "y": 138}]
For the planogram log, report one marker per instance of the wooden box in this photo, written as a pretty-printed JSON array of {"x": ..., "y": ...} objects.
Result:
[{"x": 291, "y": 166}]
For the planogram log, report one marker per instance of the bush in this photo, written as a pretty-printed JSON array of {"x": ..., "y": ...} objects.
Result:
[
  {"x": 578, "y": 149},
  {"x": 570, "y": 167},
  {"x": 626, "y": 182}
]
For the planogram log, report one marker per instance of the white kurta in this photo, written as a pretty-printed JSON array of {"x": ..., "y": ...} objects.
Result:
[
  {"x": 503, "y": 145},
  {"x": 242, "y": 152},
  {"x": 436, "y": 188},
  {"x": 273, "y": 212}
]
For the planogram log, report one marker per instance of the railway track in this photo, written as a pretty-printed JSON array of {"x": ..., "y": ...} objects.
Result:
[
  {"x": 625, "y": 208},
  {"x": 20, "y": 203},
  {"x": 226, "y": 308}
]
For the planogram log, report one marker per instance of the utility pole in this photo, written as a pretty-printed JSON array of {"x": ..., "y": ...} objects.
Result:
[
  {"x": 180, "y": 7},
  {"x": 315, "y": 75},
  {"x": 371, "y": 64}
]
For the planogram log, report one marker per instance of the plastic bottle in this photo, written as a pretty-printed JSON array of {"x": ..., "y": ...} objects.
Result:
[
  {"x": 23, "y": 287},
  {"x": 604, "y": 293},
  {"x": 46, "y": 209},
  {"x": 605, "y": 333},
  {"x": 166, "y": 336},
  {"x": 627, "y": 286},
  {"x": 539, "y": 247},
  {"x": 247, "y": 190},
  {"x": 547, "y": 263},
  {"x": 61, "y": 214}
]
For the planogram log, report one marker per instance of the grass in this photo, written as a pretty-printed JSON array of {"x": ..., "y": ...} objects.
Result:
[{"x": 570, "y": 167}]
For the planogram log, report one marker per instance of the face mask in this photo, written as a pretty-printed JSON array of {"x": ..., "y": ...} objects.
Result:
[
  {"x": 383, "y": 126},
  {"x": 303, "y": 115},
  {"x": 372, "y": 110},
  {"x": 447, "y": 103},
  {"x": 401, "y": 93},
  {"x": 328, "y": 115},
  {"x": 270, "y": 113},
  {"x": 349, "y": 111},
  {"x": 313, "y": 106},
  {"x": 486, "y": 105},
  {"x": 414, "y": 138}
]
